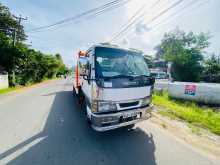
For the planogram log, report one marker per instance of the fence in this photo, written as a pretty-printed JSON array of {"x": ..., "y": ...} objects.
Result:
[{"x": 208, "y": 93}]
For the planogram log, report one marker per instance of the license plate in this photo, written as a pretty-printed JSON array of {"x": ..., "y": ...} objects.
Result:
[{"x": 128, "y": 115}]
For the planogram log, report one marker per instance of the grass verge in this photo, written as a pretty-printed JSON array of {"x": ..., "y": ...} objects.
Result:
[
  {"x": 188, "y": 111},
  {"x": 7, "y": 90},
  {"x": 11, "y": 89}
]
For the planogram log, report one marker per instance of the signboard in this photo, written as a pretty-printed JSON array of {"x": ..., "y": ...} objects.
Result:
[{"x": 190, "y": 90}]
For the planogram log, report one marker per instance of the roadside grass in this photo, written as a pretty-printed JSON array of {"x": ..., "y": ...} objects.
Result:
[
  {"x": 190, "y": 112},
  {"x": 8, "y": 90},
  {"x": 196, "y": 130},
  {"x": 12, "y": 89}
]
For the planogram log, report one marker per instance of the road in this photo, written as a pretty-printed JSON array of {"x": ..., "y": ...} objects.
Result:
[{"x": 45, "y": 126}]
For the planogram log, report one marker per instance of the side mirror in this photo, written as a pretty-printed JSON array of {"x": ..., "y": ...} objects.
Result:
[
  {"x": 83, "y": 66},
  {"x": 83, "y": 72},
  {"x": 152, "y": 80}
]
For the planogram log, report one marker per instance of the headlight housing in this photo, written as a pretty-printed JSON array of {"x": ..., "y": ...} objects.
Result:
[
  {"x": 146, "y": 101},
  {"x": 106, "y": 106},
  {"x": 94, "y": 106}
]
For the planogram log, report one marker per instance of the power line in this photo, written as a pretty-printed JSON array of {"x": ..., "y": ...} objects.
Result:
[
  {"x": 136, "y": 14},
  {"x": 184, "y": 8},
  {"x": 151, "y": 20},
  {"x": 109, "y": 9},
  {"x": 139, "y": 11},
  {"x": 86, "y": 18},
  {"x": 133, "y": 20},
  {"x": 78, "y": 16}
]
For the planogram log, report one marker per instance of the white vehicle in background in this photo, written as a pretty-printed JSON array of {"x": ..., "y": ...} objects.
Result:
[
  {"x": 159, "y": 75},
  {"x": 115, "y": 85}
]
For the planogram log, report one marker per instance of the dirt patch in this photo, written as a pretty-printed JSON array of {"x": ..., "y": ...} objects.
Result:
[{"x": 199, "y": 138}]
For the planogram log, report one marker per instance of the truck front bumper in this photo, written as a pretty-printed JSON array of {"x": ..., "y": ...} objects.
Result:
[{"x": 105, "y": 122}]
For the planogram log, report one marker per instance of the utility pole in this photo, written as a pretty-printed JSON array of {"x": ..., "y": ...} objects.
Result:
[
  {"x": 14, "y": 36},
  {"x": 16, "y": 32}
]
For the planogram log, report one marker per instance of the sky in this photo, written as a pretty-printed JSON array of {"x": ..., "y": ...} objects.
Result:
[{"x": 68, "y": 39}]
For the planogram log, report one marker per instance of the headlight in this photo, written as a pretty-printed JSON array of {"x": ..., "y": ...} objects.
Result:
[
  {"x": 146, "y": 101},
  {"x": 94, "y": 106},
  {"x": 106, "y": 106}
]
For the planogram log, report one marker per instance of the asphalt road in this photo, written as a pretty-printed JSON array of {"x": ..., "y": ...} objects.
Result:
[{"x": 45, "y": 126}]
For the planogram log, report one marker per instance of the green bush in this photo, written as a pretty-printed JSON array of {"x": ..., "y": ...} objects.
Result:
[{"x": 189, "y": 111}]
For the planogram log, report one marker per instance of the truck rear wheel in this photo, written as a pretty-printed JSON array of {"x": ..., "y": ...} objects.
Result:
[{"x": 81, "y": 97}]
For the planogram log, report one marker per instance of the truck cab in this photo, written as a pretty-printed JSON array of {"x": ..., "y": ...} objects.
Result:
[{"x": 115, "y": 85}]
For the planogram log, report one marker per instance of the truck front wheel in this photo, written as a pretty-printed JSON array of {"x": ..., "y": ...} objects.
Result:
[{"x": 129, "y": 127}]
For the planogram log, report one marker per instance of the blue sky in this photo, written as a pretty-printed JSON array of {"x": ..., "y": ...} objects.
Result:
[{"x": 70, "y": 38}]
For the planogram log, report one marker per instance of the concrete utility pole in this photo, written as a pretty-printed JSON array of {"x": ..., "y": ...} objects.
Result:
[
  {"x": 16, "y": 32},
  {"x": 14, "y": 36}
]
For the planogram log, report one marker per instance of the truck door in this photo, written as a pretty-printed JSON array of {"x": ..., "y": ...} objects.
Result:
[{"x": 87, "y": 82}]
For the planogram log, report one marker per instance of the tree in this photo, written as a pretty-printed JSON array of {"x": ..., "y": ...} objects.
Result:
[
  {"x": 184, "y": 50},
  {"x": 8, "y": 24},
  {"x": 212, "y": 69},
  {"x": 159, "y": 52},
  {"x": 24, "y": 65},
  {"x": 29, "y": 66}
]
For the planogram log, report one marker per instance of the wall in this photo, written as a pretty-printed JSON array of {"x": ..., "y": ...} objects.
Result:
[
  {"x": 161, "y": 84},
  {"x": 208, "y": 93},
  {"x": 3, "y": 81}
]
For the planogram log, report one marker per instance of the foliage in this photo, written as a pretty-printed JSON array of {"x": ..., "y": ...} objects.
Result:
[
  {"x": 149, "y": 60},
  {"x": 8, "y": 23},
  {"x": 8, "y": 90},
  {"x": 184, "y": 50},
  {"x": 29, "y": 66},
  {"x": 159, "y": 52},
  {"x": 212, "y": 69},
  {"x": 189, "y": 112}
]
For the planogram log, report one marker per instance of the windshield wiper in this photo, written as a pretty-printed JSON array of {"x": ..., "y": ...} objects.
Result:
[
  {"x": 120, "y": 76},
  {"x": 135, "y": 76}
]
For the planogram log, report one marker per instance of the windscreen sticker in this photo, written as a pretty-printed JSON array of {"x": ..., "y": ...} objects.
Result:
[{"x": 108, "y": 84}]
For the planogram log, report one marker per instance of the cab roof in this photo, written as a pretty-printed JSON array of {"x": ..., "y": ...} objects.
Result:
[{"x": 113, "y": 46}]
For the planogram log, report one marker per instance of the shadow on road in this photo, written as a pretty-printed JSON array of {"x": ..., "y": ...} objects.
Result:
[{"x": 69, "y": 140}]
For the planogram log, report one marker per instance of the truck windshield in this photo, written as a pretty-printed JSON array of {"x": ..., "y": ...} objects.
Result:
[{"x": 118, "y": 63}]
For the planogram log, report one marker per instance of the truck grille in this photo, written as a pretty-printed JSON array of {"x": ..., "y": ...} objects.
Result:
[{"x": 130, "y": 104}]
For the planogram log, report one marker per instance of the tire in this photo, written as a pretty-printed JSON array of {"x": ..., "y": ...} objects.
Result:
[
  {"x": 129, "y": 127},
  {"x": 81, "y": 97},
  {"x": 74, "y": 92},
  {"x": 88, "y": 120},
  {"x": 87, "y": 117}
]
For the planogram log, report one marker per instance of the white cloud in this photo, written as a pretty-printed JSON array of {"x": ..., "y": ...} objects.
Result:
[
  {"x": 139, "y": 35},
  {"x": 141, "y": 28},
  {"x": 70, "y": 38}
]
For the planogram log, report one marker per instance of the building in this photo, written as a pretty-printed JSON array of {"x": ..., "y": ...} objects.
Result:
[{"x": 3, "y": 78}]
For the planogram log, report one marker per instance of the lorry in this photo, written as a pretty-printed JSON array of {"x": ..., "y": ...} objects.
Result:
[{"x": 115, "y": 85}]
